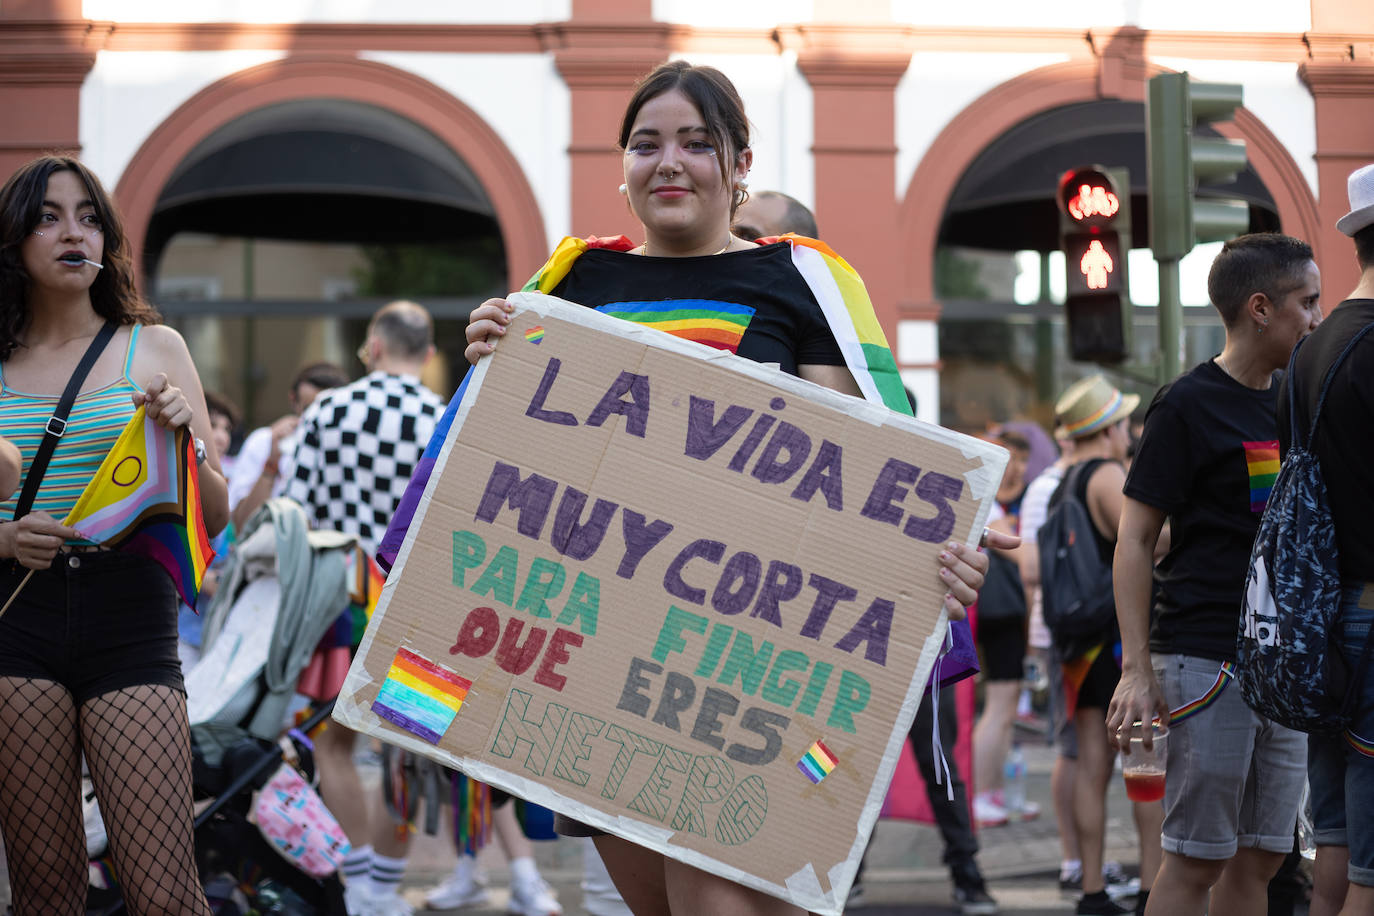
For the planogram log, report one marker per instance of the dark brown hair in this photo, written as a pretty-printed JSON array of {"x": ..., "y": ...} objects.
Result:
[
  {"x": 713, "y": 95},
  {"x": 1364, "y": 247},
  {"x": 113, "y": 294},
  {"x": 1262, "y": 262}
]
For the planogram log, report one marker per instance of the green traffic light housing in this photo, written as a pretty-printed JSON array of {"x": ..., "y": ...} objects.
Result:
[{"x": 1179, "y": 160}]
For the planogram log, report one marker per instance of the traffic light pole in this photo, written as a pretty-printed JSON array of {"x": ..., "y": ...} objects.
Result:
[{"x": 1170, "y": 320}]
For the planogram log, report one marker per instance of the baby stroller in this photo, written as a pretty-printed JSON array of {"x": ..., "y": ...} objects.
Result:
[{"x": 282, "y": 589}]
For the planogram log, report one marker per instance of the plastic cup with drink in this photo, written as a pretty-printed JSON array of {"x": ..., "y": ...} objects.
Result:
[{"x": 1144, "y": 768}]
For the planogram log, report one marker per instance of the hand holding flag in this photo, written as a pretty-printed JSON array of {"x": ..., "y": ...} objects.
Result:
[{"x": 146, "y": 498}]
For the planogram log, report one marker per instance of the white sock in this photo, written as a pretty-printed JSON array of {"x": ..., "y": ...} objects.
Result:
[
  {"x": 386, "y": 874},
  {"x": 524, "y": 871},
  {"x": 357, "y": 865},
  {"x": 1070, "y": 867}
]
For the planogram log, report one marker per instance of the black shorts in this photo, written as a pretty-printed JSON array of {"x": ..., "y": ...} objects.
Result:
[
  {"x": 1003, "y": 645},
  {"x": 94, "y": 622},
  {"x": 1100, "y": 682}
]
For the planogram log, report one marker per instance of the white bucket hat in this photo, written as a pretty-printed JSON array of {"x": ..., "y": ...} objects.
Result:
[{"x": 1361, "y": 188}]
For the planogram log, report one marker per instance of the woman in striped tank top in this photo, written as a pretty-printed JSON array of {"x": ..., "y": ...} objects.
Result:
[{"x": 88, "y": 660}]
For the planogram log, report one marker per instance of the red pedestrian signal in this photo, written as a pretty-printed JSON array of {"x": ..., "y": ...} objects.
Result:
[{"x": 1094, "y": 233}]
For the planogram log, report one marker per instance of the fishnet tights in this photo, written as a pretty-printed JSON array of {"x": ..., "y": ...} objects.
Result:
[{"x": 137, "y": 747}]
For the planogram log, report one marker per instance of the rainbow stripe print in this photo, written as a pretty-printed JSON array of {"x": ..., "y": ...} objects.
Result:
[
  {"x": 1262, "y": 461},
  {"x": 420, "y": 696},
  {"x": 706, "y": 321},
  {"x": 535, "y": 335},
  {"x": 1188, "y": 710},
  {"x": 817, "y": 762}
]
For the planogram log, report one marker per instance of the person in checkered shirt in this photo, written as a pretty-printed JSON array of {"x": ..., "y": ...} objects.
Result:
[
  {"x": 357, "y": 445},
  {"x": 356, "y": 448}
]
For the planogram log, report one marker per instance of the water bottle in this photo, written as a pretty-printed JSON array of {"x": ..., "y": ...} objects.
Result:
[{"x": 1014, "y": 782}]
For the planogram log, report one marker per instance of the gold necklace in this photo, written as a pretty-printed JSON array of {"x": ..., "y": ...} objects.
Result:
[{"x": 729, "y": 239}]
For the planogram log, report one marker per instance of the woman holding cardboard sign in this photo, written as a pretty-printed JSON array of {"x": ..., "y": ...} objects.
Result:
[{"x": 686, "y": 144}]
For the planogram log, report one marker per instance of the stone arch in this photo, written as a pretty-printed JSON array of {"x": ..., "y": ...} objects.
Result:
[
  {"x": 457, "y": 125},
  {"x": 968, "y": 134}
]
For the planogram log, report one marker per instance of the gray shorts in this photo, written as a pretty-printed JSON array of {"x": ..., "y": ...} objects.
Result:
[{"x": 1233, "y": 779}]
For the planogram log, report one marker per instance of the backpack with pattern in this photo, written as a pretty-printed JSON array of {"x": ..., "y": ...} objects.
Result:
[{"x": 1288, "y": 654}]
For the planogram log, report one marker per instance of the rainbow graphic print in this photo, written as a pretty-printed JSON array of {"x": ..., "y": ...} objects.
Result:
[
  {"x": 817, "y": 763},
  {"x": 706, "y": 321},
  {"x": 1262, "y": 461},
  {"x": 420, "y": 696},
  {"x": 535, "y": 335}
]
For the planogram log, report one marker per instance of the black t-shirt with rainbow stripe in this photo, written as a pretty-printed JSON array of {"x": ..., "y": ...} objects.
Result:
[{"x": 753, "y": 303}]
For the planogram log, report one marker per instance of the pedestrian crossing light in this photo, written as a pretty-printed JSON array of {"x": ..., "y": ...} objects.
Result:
[
  {"x": 1180, "y": 161},
  {"x": 1095, "y": 234}
]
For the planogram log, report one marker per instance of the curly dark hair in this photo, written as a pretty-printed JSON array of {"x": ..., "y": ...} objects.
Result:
[{"x": 113, "y": 294}]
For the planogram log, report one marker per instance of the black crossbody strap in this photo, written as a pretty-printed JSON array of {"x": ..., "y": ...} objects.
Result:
[{"x": 57, "y": 423}]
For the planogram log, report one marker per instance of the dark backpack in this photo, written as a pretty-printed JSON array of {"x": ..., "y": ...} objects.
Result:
[
  {"x": 1075, "y": 582},
  {"x": 1291, "y": 669}
]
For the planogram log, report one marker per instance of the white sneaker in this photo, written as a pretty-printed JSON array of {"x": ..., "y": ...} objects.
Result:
[
  {"x": 1119, "y": 885},
  {"x": 987, "y": 813},
  {"x": 387, "y": 905},
  {"x": 532, "y": 899},
  {"x": 355, "y": 901},
  {"x": 463, "y": 887}
]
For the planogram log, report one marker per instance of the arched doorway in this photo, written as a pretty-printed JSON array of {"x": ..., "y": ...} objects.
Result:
[
  {"x": 1011, "y": 133},
  {"x": 277, "y": 209},
  {"x": 999, "y": 272}
]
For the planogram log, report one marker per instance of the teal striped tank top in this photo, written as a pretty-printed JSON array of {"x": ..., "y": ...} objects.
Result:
[{"x": 93, "y": 426}]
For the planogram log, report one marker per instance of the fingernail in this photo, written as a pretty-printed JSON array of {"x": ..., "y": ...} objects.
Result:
[
  {"x": 945, "y": 573},
  {"x": 945, "y": 555},
  {"x": 953, "y": 545}
]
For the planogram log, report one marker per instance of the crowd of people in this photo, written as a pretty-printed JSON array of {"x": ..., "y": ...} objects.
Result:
[{"x": 92, "y": 649}]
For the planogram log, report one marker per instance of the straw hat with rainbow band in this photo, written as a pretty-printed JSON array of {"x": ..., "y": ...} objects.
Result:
[{"x": 1092, "y": 404}]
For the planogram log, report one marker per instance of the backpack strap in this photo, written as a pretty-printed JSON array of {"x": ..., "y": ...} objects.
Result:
[{"x": 57, "y": 423}]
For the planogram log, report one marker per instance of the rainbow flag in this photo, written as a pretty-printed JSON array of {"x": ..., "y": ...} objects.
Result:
[
  {"x": 420, "y": 696},
  {"x": 1262, "y": 461},
  {"x": 364, "y": 593},
  {"x": 817, "y": 762},
  {"x": 145, "y": 498}
]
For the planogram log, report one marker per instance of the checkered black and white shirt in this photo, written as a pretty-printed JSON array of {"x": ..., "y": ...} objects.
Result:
[{"x": 356, "y": 449}]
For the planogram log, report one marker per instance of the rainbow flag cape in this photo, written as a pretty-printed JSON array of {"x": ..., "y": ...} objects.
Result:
[
  {"x": 847, "y": 308},
  {"x": 145, "y": 498}
]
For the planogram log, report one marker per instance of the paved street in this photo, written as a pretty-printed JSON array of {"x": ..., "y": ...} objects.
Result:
[{"x": 904, "y": 876}]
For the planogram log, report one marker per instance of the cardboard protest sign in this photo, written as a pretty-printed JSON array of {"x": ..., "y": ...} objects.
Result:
[{"x": 675, "y": 594}]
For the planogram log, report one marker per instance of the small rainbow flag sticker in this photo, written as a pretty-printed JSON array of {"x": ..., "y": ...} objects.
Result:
[
  {"x": 817, "y": 762},
  {"x": 420, "y": 696},
  {"x": 535, "y": 334}
]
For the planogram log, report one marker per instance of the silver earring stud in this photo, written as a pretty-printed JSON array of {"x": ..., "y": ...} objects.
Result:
[
  {"x": 624, "y": 189},
  {"x": 742, "y": 184}
]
